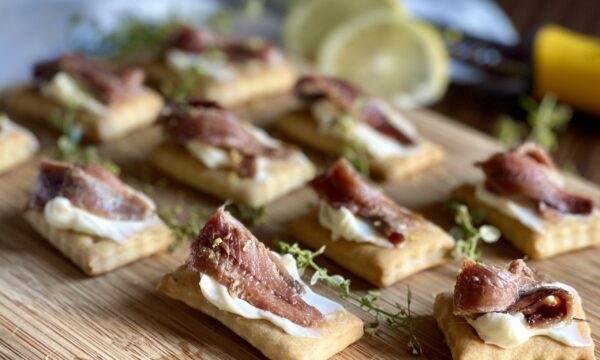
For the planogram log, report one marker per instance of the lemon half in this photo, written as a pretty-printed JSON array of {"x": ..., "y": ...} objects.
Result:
[
  {"x": 396, "y": 57},
  {"x": 310, "y": 21}
]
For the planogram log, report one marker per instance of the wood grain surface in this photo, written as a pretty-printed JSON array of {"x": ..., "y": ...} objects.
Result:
[{"x": 50, "y": 310}]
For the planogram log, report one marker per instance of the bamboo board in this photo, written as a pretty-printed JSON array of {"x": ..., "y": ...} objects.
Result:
[{"x": 49, "y": 309}]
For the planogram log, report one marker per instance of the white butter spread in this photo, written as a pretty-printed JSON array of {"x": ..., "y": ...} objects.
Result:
[
  {"x": 343, "y": 224},
  {"x": 219, "y": 296},
  {"x": 526, "y": 215},
  {"x": 61, "y": 214},
  {"x": 377, "y": 144},
  {"x": 8, "y": 127},
  {"x": 509, "y": 331},
  {"x": 210, "y": 65},
  {"x": 65, "y": 90},
  {"x": 214, "y": 157}
]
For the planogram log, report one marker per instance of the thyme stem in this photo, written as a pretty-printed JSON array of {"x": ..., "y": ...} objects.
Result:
[{"x": 401, "y": 319}]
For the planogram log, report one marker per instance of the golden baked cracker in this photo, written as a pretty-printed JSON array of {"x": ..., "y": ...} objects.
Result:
[
  {"x": 301, "y": 128},
  {"x": 559, "y": 236},
  {"x": 16, "y": 146},
  {"x": 249, "y": 84},
  {"x": 96, "y": 255},
  {"x": 285, "y": 175},
  {"x": 427, "y": 246},
  {"x": 465, "y": 344},
  {"x": 137, "y": 111},
  {"x": 339, "y": 332}
]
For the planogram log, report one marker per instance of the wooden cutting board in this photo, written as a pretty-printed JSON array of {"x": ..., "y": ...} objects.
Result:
[{"x": 49, "y": 309}]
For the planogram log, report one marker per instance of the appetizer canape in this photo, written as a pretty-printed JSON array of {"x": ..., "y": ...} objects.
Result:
[
  {"x": 210, "y": 149},
  {"x": 94, "y": 219},
  {"x": 524, "y": 196},
  {"x": 259, "y": 295},
  {"x": 228, "y": 71},
  {"x": 514, "y": 313},
  {"x": 17, "y": 144},
  {"x": 338, "y": 117},
  {"x": 108, "y": 102},
  {"x": 368, "y": 233}
]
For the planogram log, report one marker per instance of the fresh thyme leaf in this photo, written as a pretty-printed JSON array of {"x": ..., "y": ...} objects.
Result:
[
  {"x": 354, "y": 151},
  {"x": 185, "y": 223},
  {"x": 184, "y": 89},
  {"x": 544, "y": 121},
  {"x": 132, "y": 37},
  {"x": 254, "y": 8},
  {"x": 69, "y": 146},
  {"x": 467, "y": 232},
  {"x": 247, "y": 214},
  {"x": 401, "y": 318},
  {"x": 509, "y": 131}
]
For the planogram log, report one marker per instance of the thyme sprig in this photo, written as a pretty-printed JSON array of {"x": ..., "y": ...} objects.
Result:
[
  {"x": 544, "y": 120},
  {"x": 247, "y": 214},
  {"x": 69, "y": 147},
  {"x": 401, "y": 318},
  {"x": 354, "y": 151},
  {"x": 468, "y": 232},
  {"x": 185, "y": 222}
]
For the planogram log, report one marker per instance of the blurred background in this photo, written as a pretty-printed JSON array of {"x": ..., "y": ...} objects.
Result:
[{"x": 513, "y": 69}]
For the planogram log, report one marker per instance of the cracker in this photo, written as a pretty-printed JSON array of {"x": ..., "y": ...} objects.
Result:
[
  {"x": 248, "y": 85},
  {"x": 96, "y": 255},
  {"x": 427, "y": 246},
  {"x": 16, "y": 146},
  {"x": 559, "y": 236},
  {"x": 137, "y": 111},
  {"x": 340, "y": 330},
  {"x": 285, "y": 175},
  {"x": 301, "y": 128},
  {"x": 465, "y": 344}
]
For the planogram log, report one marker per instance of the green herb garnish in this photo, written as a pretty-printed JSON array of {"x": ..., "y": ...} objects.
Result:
[
  {"x": 247, "y": 214},
  {"x": 133, "y": 36},
  {"x": 185, "y": 223},
  {"x": 544, "y": 121},
  {"x": 401, "y": 318},
  {"x": 69, "y": 146},
  {"x": 467, "y": 232}
]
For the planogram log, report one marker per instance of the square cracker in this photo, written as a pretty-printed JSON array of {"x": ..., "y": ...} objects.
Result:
[
  {"x": 427, "y": 246},
  {"x": 96, "y": 255},
  {"x": 301, "y": 128},
  {"x": 138, "y": 110},
  {"x": 16, "y": 147},
  {"x": 284, "y": 176},
  {"x": 248, "y": 85},
  {"x": 340, "y": 330},
  {"x": 465, "y": 344},
  {"x": 559, "y": 236}
]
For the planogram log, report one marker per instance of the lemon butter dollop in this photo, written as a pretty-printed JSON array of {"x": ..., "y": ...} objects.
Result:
[
  {"x": 61, "y": 214},
  {"x": 66, "y": 91},
  {"x": 511, "y": 330},
  {"x": 218, "y": 295},
  {"x": 376, "y": 144},
  {"x": 342, "y": 223}
]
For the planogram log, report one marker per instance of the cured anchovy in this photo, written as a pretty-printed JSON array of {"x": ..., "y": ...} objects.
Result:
[
  {"x": 90, "y": 188},
  {"x": 527, "y": 172},
  {"x": 342, "y": 186},
  {"x": 351, "y": 100},
  {"x": 228, "y": 252},
  {"x": 484, "y": 288},
  {"x": 108, "y": 85},
  {"x": 193, "y": 40},
  {"x": 209, "y": 123}
]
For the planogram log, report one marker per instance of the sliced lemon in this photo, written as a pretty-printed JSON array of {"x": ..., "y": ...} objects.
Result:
[
  {"x": 396, "y": 57},
  {"x": 309, "y": 21}
]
